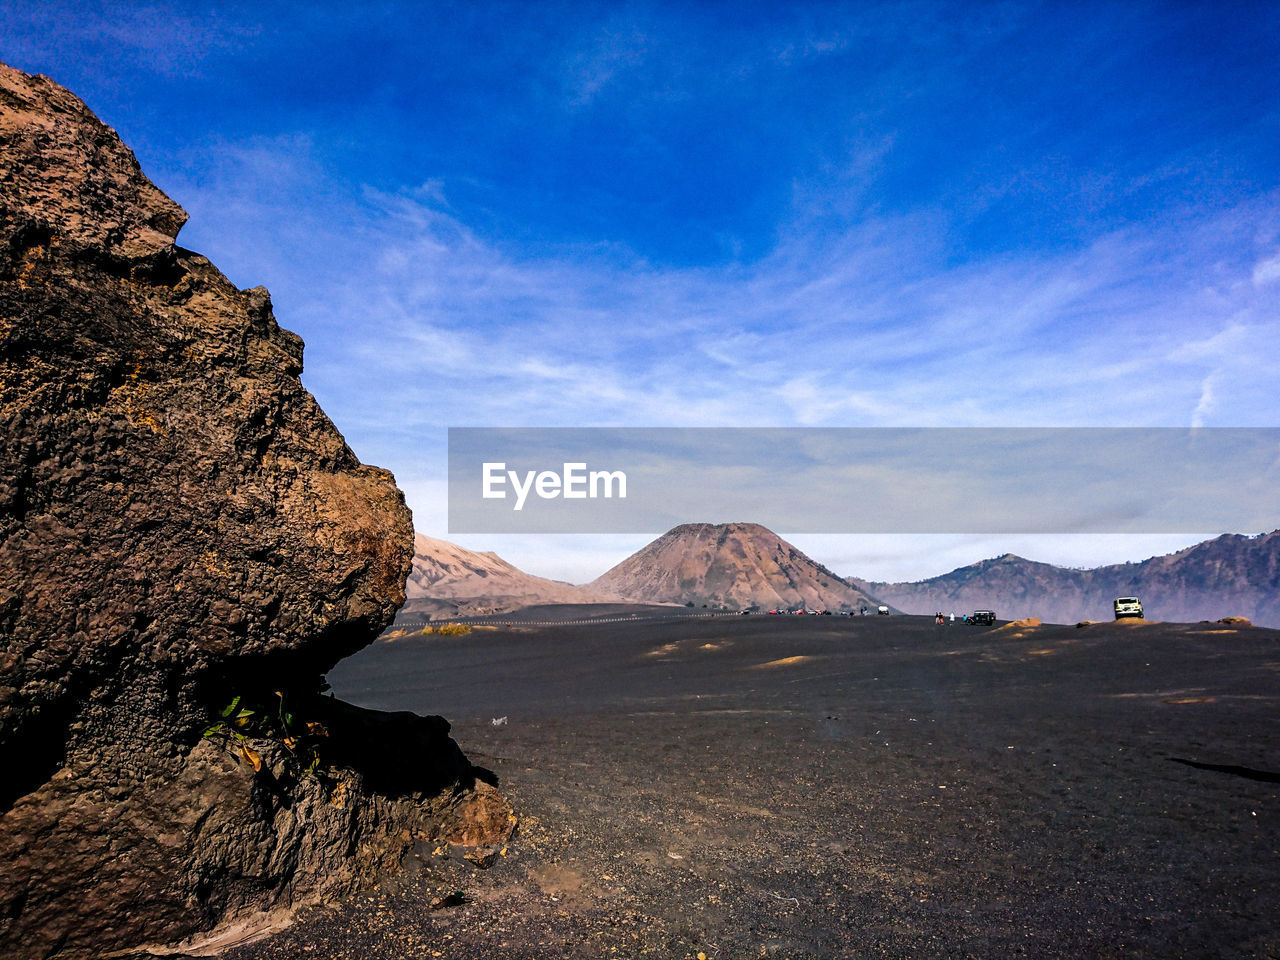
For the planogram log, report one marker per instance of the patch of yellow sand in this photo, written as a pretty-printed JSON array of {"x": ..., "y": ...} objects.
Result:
[
  {"x": 1016, "y": 628},
  {"x": 784, "y": 662}
]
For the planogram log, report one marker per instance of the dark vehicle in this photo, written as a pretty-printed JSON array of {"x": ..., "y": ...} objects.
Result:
[{"x": 987, "y": 617}]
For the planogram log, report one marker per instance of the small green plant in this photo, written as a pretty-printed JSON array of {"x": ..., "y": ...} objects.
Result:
[{"x": 241, "y": 722}]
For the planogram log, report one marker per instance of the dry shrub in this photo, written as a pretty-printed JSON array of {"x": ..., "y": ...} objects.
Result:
[{"x": 448, "y": 630}]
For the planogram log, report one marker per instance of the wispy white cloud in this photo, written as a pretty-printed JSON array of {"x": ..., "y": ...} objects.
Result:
[
  {"x": 1140, "y": 291},
  {"x": 415, "y": 321},
  {"x": 868, "y": 327},
  {"x": 161, "y": 38},
  {"x": 614, "y": 50},
  {"x": 1267, "y": 271}
]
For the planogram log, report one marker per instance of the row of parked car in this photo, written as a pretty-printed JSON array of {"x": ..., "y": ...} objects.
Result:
[
  {"x": 821, "y": 613},
  {"x": 881, "y": 610},
  {"x": 1125, "y": 607},
  {"x": 800, "y": 613}
]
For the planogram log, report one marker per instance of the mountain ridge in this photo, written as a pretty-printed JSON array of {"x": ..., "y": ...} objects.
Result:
[
  {"x": 450, "y": 580},
  {"x": 747, "y": 566},
  {"x": 1228, "y": 575}
]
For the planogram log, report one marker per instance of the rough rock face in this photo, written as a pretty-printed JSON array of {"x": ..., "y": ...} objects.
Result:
[
  {"x": 180, "y": 525},
  {"x": 735, "y": 565},
  {"x": 1228, "y": 575}
]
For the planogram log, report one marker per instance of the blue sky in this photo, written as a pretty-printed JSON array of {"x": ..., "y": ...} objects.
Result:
[{"x": 643, "y": 214}]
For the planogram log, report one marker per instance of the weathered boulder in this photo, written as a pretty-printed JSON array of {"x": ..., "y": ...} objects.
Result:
[{"x": 180, "y": 526}]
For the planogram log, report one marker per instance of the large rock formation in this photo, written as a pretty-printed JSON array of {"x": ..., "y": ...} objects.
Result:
[
  {"x": 740, "y": 566},
  {"x": 180, "y": 526},
  {"x": 1231, "y": 575}
]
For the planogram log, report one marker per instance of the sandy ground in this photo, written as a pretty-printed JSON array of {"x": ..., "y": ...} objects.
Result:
[{"x": 840, "y": 787}]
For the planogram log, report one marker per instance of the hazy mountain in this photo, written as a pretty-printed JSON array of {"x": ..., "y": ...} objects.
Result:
[
  {"x": 733, "y": 565},
  {"x": 1230, "y": 575},
  {"x": 449, "y": 580}
]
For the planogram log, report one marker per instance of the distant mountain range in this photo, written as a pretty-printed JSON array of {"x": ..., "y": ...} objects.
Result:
[
  {"x": 742, "y": 566},
  {"x": 733, "y": 566},
  {"x": 448, "y": 580},
  {"x": 1229, "y": 575}
]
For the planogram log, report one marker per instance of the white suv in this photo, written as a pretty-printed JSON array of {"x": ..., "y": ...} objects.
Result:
[{"x": 1128, "y": 607}]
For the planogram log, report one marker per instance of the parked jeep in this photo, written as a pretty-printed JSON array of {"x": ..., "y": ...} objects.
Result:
[
  {"x": 987, "y": 617},
  {"x": 1128, "y": 607}
]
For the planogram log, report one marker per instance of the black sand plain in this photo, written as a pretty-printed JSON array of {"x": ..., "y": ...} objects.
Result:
[{"x": 786, "y": 786}]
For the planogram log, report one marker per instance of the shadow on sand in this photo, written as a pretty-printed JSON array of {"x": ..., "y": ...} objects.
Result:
[{"x": 1265, "y": 776}]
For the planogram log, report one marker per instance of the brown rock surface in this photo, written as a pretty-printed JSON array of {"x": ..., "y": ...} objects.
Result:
[{"x": 180, "y": 524}]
